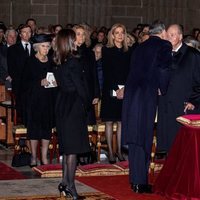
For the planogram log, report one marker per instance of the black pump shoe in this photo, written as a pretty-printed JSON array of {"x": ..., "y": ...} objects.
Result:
[
  {"x": 142, "y": 188},
  {"x": 112, "y": 159},
  {"x": 66, "y": 192},
  {"x": 61, "y": 189},
  {"x": 33, "y": 165},
  {"x": 120, "y": 157}
]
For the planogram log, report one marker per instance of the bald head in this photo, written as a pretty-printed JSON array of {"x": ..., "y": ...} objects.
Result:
[{"x": 175, "y": 35}]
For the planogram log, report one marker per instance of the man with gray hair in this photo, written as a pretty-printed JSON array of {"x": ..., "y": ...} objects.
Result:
[
  {"x": 185, "y": 78},
  {"x": 11, "y": 38},
  {"x": 148, "y": 78}
]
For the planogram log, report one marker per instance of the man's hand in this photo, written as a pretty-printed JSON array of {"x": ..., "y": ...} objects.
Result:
[
  {"x": 188, "y": 106},
  {"x": 95, "y": 101}
]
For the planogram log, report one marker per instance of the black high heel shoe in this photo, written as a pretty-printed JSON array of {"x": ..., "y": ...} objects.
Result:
[
  {"x": 62, "y": 189},
  {"x": 68, "y": 193},
  {"x": 33, "y": 164},
  {"x": 73, "y": 194},
  {"x": 112, "y": 160},
  {"x": 120, "y": 157}
]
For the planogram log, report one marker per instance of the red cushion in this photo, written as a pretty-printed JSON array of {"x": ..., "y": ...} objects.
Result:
[{"x": 192, "y": 120}]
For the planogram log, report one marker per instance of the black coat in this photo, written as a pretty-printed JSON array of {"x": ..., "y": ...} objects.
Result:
[
  {"x": 3, "y": 63},
  {"x": 149, "y": 70},
  {"x": 185, "y": 76},
  {"x": 71, "y": 108},
  {"x": 16, "y": 58},
  {"x": 38, "y": 101},
  {"x": 87, "y": 59},
  {"x": 115, "y": 66}
]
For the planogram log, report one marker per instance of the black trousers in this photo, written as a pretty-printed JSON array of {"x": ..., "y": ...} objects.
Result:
[{"x": 139, "y": 161}]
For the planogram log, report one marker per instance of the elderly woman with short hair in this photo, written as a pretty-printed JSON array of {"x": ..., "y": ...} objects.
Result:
[{"x": 38, "y": 98}]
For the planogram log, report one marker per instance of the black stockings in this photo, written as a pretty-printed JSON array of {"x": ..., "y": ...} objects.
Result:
[{"x": 69, "y": 163}]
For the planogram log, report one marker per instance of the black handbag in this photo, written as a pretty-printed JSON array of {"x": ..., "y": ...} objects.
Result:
[{"x": 23, "y": 156}]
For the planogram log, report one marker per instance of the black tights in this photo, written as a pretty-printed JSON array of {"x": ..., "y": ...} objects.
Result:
[{"x": 69, "y": 163}]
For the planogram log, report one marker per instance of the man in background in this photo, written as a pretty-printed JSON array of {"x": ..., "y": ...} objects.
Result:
[
  {"x": 10, "y": 38},
  {"x": 16, "y": 59}
]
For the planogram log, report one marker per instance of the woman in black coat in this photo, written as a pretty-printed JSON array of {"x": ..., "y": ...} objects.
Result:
[
  {"x": 115, "y": 65},
  {"x": 71, "y": 109},
  {"x": 38, "y": 101},
  {"x": 88, "y": 61}
]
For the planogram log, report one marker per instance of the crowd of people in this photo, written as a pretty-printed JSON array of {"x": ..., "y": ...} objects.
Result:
[{"x": 152, "y": 69}]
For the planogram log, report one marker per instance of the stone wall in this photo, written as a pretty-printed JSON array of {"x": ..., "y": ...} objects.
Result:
[{"x": 101, "y": 12}]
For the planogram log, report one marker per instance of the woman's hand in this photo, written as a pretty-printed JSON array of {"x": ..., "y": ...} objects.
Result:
[
  {"x": 120, "y": 93},
  {"x": 54, "y": 83},
  {"x": 44, "y": 82}
]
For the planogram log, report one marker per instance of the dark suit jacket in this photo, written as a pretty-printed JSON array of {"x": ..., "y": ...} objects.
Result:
[
  {"x": 185, "y": 76},
  {"x": 149, "y": 71},
  {"x": 16, "y": 58},
  {"x": 3, "y": 63}
]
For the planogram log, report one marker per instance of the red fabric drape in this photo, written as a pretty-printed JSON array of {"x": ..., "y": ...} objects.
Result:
[{"x": 180, "y": 176}]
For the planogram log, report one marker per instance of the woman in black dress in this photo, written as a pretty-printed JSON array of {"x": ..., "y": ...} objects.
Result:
[
  {"x": 115, "y": 65},
  {"x": 38, "y": 101},
  {"x": 71, "y": 109}
]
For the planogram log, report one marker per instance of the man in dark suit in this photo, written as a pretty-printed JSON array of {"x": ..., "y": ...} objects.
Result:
[
  {"x": 16, "y": 59},
  {"x": 148, "y": 77},
  {"x": 185, "y": 77},
  {"x": 11, "y": 38}
]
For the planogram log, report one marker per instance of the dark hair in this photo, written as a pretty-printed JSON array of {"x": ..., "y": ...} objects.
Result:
[
  {"x": 64, "y": 45},
  {"x": 3, "y": 27},
  {"x": 156, "y": 27},
  {"x": 30, "y": 19},
  {"x": 22, "y": 26},
  {"x": 57, "y": 25}
]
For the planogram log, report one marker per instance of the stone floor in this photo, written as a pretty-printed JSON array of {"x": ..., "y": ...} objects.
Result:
[{"x": 34, "y": 185}]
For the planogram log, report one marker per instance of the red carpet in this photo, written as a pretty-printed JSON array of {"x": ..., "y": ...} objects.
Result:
[
  {"x": 117, "y": 187},
  {"x": 8, "y": 173}
]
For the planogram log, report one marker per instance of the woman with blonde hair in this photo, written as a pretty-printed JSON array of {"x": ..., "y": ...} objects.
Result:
[{"x": 115, "y": 65}]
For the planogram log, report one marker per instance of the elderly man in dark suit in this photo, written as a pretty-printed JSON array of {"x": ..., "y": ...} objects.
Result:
[
  {"x": 16, "y": 59},
  {"x": 148, "y": 77},
  {"x": 11, "y": 38},
  {"x": 185, "y": 77}
]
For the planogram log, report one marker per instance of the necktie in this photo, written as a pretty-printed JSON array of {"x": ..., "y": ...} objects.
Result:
[
  {"x": 174, "y": 53},
  {"x": 26, "y": 49}
]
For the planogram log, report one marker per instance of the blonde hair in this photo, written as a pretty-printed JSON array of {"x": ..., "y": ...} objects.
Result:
[
  {"x": 111, "y": 40},
  {"x": 87, "y": 33}
]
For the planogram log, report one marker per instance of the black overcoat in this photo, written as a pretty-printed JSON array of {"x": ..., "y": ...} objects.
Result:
[
  {"x": 149, "y": 70},
  {"x": 3, "y": 63},
  {"x": 115, "y": 66},
  {"x": 71, "y": 108},
  {"x": 16, "y": 59},
  {"x": 87, "y": 59},
  {"x": 185, "y": 76},
  {"x": 38, "y": 101}
]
